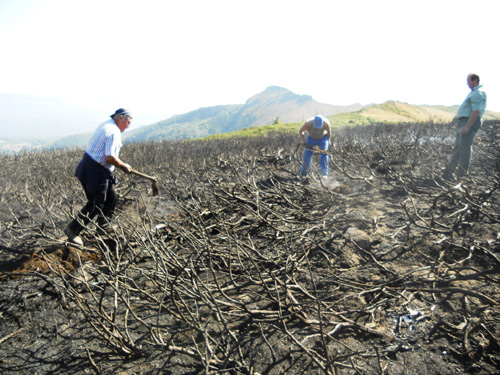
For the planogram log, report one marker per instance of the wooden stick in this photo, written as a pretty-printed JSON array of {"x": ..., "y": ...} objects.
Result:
[
  {"x": 143, "y": 175},
  {"x": 12, "y": 334}
]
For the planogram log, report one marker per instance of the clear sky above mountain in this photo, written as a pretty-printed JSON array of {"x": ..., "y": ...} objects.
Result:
[{"x": 161, "y": 58}]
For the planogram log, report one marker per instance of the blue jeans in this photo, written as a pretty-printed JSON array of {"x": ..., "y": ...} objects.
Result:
[
  {"x": 308, "y": 153},
  {"x": 462, "y": 149}
]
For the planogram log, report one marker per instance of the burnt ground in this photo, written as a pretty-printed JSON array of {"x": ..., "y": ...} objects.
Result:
[{"x": 241, "y": 267}]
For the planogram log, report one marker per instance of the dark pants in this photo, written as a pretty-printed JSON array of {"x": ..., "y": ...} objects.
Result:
[
  {"x": 460, "y": 157},
  {"x": 98, "y": 183},
  {"x": 103, "y": 211}
]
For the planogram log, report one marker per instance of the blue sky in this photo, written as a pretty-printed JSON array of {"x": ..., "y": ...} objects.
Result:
[{"x": 161, "y": 58}]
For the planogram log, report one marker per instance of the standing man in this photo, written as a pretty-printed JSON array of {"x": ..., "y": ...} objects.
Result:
[
  {"x": 319, "y": 136},
  {"x": 468, "y": 118},
  {"x": 95, "y": 173}
]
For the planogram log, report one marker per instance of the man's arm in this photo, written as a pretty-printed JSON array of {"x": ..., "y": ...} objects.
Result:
[
  {"x": 118, "y": 163},
  {"x": 329, "y": 133},
  {"x": 472, "y": 119},
  {"x": 302, "y": 130}
]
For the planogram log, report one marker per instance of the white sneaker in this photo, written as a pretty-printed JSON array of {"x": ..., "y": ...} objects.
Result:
[{"x": 72, "y": 237}]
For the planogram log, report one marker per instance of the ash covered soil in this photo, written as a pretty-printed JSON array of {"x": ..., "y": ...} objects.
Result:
[{"x": 239, "y": 266}]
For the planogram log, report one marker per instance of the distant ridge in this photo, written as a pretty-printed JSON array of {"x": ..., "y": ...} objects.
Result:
[
  {"x": 261, "y": 109},
  {"x": 392, "y": 111},
  {"x": 398, "y": 112},
  {"x": 273, "y": 105}
]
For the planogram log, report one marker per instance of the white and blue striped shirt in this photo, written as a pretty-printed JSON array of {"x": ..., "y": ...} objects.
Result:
[{"x": 106, "y": 141}]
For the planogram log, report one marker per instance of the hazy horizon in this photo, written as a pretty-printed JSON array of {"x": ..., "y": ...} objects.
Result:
[{"x": 162, "y": 58}]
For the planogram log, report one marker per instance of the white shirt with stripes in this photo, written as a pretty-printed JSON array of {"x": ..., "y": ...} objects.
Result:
[{"x": 106, "y": 141}]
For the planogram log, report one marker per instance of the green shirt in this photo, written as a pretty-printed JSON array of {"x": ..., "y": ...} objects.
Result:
[{"x": 475, "y": 101}]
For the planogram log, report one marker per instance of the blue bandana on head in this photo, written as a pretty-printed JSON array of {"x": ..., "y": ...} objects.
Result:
[{"x": 318, "y": 122}]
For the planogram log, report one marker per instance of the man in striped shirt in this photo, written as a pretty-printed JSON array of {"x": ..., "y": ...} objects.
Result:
[{"x": 95, "y": 173}]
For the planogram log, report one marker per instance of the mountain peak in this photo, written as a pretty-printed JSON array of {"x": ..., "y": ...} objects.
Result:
[
  {"x": 261, "y": 109},
  {"x": 274, "y": 89},
  {"x": 275, "y": 95}
]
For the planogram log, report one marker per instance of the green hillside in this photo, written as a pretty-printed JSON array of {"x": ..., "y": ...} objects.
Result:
[
  {"x": 396, "y": 112},
  {"x": 255, "y": 131},
  {"x": 402, "y": 112},
  {"x": 273, "y": 110},
  {"x": 388, "y": 112},
  {"x": 261, "y": 109}
]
